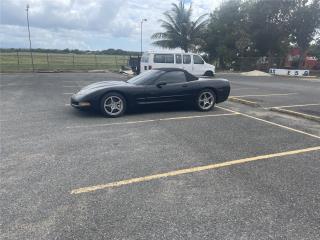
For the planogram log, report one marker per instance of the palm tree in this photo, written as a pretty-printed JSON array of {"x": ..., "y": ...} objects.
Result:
[{"x": 180, "y": 31}]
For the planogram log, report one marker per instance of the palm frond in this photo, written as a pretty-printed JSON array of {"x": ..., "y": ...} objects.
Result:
[
  {"x": 172, "y": 21},
  {"x": 165, "y": 44},
  {"x": 159, "y": 35},
  {"x": 179, "y": 30}
]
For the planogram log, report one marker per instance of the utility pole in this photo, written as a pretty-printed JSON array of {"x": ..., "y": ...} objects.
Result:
[
  {"x": 27, "y": 9},
  {"x": 142, "y": 20}
]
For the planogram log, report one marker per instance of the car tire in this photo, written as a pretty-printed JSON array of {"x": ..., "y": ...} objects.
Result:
[
  {"x": 209, "y": 74},
  {"x": 113, "y": 105},
  {"x": 205, "y": 100}
]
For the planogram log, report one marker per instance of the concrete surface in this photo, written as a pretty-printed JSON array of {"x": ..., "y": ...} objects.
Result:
[{"x": 49, "y": 149}]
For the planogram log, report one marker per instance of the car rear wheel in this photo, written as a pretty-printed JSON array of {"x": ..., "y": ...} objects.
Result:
[
  {"x": 113, "y": 105},
  {"x": 209, "y": 74},
  {"x": 206, "y": 100}
]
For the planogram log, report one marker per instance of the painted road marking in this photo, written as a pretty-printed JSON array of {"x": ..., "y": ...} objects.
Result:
[
  {"x": 240, "y": 100},
  {"x": 310, "y": 79},
  {"x": 249, "y": 88},
  {"x": 16, "y": 85},
  {"x": 190, "y": 170},
  {"x": 294, "y": 113},
  {"x": 272, "y": 123},
  {"x": 291, "y": 106},
  {"x": 72, "y": 81},
  {"x": 83, "y": 80},
  {"x": 266, "y": 95},
  {"x": 152, "y": 120}
]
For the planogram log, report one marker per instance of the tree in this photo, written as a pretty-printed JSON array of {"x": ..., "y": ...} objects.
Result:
[
  {"x": 180, "y": 30},
  {"x": 304, "y": 22},
  {"x": 314, "y": 49},
  {"x": 268, "y": 24},
  {"x": 227, "y": 34}
]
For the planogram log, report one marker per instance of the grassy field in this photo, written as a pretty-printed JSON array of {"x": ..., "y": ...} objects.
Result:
[{"x": 21, "y": 62}]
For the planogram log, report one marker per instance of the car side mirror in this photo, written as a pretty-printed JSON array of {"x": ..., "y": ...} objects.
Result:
[{"x": 160, "y": 84}]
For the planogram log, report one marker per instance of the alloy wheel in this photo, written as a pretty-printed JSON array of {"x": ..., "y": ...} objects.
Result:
[
  {"x": 206, "y": 100},
  {"x": 113, "y": 105}
]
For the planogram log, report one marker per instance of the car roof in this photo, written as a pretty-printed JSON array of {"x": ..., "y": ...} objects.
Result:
[{"x": 189, "y": 76}]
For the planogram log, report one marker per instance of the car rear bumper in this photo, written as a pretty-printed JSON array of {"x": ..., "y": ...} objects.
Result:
[{"x": 223, "y": 93}]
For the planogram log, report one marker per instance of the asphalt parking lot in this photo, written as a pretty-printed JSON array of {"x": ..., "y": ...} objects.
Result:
[
  {"x": 238, "y": 172},
  {"x": 300, "y": 95}
]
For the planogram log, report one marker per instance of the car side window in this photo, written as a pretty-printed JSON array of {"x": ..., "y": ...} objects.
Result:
[
  {"x": 197, "y": 60},
  {"x": 186, "y": 59},
  {"x": 178, "y": 59},
  {"x": 172, "y": 77},
  {"x": 163, "y": 58}
]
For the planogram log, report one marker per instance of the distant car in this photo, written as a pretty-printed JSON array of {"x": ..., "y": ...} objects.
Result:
[
  {"x": 193, "y": 63},
  {"x": 157, "y": 86}
]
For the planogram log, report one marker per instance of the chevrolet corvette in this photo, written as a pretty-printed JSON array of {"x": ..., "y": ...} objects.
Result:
[{"x": 157, "y": 86}]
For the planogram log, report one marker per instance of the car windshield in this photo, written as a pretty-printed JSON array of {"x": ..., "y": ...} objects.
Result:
[{"x": 145, "y": 78}]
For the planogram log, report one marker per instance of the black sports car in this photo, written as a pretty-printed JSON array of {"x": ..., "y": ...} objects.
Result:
[{"x": 157, "y": 86}]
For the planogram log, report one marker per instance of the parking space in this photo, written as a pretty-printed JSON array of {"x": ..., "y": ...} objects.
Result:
[
  {"x": 309, "y": 111},
  {"x": 277, "y": 92},
  {"x": 276, "y": 100},
  {"x": 157, "y": 173},
  {"x": 312, "y": 110}
]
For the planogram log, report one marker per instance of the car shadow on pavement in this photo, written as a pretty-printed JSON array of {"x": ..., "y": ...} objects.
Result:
[{"x": 141, "y": 110}]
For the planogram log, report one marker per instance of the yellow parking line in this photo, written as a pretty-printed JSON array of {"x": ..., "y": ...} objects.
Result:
[
  {"x": 152, "y": 120},
  {"x": 266, "y": 95},
  {"x": 244, "y": 88},
  {"x": 272, "y": 123},
  {"x": 240, "y": 100},
  {"x": 300, "y": 105},
  {"x": 227, "y": 109},
  {"x": 294, "y": 113},
  {"x": 190, "y": 170}
]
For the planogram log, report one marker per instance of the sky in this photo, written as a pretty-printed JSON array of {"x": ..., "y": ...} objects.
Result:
[{"x": 87, "y": 24}]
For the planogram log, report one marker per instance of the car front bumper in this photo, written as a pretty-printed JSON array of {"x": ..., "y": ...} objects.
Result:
[{"x": 78, "y": 102}]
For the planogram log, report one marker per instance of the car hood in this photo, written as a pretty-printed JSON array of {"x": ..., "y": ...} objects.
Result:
[{"x": 101, "y": 85}]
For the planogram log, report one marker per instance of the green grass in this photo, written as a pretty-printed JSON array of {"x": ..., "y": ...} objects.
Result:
[{"x": 21, "y": 62}]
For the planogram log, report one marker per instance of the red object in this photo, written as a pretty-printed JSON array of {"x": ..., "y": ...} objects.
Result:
[{"x": 310, "y": 62}]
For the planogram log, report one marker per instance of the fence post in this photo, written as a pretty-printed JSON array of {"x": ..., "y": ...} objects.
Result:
[
  {"x": 48, "y": 60},
  {"x": 73, "y": 60},
  {"x": 115, "y": 56},
  {"x": 18, "y": 60},
  {"x": 95, "y": 60}
]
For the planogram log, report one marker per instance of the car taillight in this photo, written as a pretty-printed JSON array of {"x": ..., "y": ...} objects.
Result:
[{"x": 150, "y": 67}]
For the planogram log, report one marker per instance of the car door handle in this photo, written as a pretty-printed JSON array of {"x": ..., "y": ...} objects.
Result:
[{"x": 185, "y": 85}]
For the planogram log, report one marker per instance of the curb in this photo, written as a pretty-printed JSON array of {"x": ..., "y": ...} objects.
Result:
[
  {"x": 297, "y": 114},
  {"x": 242, "y": 101}
]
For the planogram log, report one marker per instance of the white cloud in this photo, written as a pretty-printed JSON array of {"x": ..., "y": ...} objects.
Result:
[{"x": 86, "y": 24}]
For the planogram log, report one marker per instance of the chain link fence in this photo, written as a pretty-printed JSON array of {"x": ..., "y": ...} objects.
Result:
[
  {"x": 21, "y": 62},
  {"x": 243, "y": 64}
]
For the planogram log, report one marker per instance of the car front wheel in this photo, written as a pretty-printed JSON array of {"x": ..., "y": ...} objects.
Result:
[
  {"x": 113, "y": 105},
  {"x": 206, "y": 100}
]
